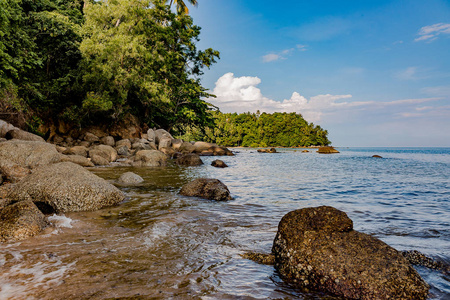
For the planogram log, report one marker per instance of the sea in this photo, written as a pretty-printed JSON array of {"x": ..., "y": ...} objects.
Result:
[{"x": 160, "y": 245}]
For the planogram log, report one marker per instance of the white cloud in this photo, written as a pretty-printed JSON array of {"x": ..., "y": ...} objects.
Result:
[
  {"x": 241, "y": 94},
  {"x": 282, "y": 54},
  {"x": 430, "y": 33},
  {"x": 271, "y": 57}
]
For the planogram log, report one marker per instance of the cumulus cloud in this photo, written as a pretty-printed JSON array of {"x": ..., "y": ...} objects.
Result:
[
  {"x": 430, "y": 33},
  {"x": 241, "y": 94}
]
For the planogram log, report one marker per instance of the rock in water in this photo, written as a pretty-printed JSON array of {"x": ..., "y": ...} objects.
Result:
[
  {"x": 149, "y": 158},
  {"x": 190, "y": 159},
  {"x": 317, "y": 248},
  {"x": 20, "y": 221},
  {"x": 219, "y": 164},
  {"x": 327, "y": 150},
  {"x": 206, "y": 188},
  {"x": 65, "y": 187},
  {"x": 130, "y": 178}
]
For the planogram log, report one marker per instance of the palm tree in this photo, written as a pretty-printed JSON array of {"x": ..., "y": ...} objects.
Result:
[{"x": 181, "y": 6}]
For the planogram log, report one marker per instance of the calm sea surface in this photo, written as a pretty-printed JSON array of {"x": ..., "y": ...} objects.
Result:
[{"x": 161, "y": 245}]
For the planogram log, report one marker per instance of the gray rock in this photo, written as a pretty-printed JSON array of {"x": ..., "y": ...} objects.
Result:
[
  {"x": 317, "y": 248},
  {"x": 77, "y": 150},
  {"x": 20, "y": 221},
  {"x": 125, "y": 142},
  {"x": 161, "y": 133},
  {"x": 64, "y": 187},
  {"x": 28, "y": 153},
  {"x": 77, "y": 159},
  {"x": 105, "y": 151},
  {"x": 164, "y": 142},
  {"x": 5, "y": 127},
  {"x": 91, "y": 138},
  {"x": 151, "y": 136},
  {"x": 206, "y": 188},
  {"x": 123, "y": 150},
  {"x": 186, "y": 147},
  {"x": 99, "y": 160},
  {"x": 190, "y": 159},
  {"x": 149, "y": 158},
  {"x": 20, "y": 134},
  {"x": 108, "y": 140},
  {"x": 130, "y": 178}
]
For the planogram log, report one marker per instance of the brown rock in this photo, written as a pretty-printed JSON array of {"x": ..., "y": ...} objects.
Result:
[
  {"x": 376, "y": 156},
  {"x": 98, "y": 160},
  {"x": 77, "y": 159},
  {"x": 186, "y": 147},
  {"x": 91, "y": 138},
  {"x": 190, "y": 159},
  {"x": 327, "y": 150},
  {"x": 77, "y": 150},
  {"x": 212, "y": 189},
  {"x": 20, "y": 221},
  {"x": 317, "y": 248},
  {"x": 29, "y": 154},
  {"x": 108, "y": 140},
  {"x": 12, "y": 172},
  {"x": 218, "y": 164}
]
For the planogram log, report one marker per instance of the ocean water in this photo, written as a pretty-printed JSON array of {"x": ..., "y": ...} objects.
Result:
[{"x": 160, "y": 245}]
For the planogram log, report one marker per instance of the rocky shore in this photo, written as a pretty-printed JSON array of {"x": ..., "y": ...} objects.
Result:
[{"x": 39, "y": 177}]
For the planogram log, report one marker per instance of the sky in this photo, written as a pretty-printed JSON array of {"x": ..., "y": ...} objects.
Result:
[{"x": 373, "y": 73}]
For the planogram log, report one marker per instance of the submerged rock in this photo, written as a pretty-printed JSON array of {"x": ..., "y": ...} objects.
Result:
[
  {"x": 317, "y": 248},
  {"x": 190, "y": 159},
  {"x": 270, "y": 150},
  {"x": 327, "y": 150},
  {"x": 376, "y": 156},
  {"x": 130, "y": 178},
  {"x": 65, "y": 187},
  {"x": 20, "y": 221},
  {"x": 212, "y": 189}
]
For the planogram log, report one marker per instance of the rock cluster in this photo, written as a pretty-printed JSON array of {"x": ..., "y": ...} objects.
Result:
[
  {"x": 317, "y": 249},
  {"x": 270, "y": 150}
]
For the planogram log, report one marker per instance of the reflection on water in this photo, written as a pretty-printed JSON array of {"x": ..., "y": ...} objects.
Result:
[{"x": 158, "y": 244}]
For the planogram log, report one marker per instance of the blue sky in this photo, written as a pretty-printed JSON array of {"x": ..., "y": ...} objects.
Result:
[{"x": 373, "y": 73}]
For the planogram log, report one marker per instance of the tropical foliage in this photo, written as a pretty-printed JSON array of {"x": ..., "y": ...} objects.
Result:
[
  {"x": 261, "y": 130},
  {"x": 96, "y": 61}
]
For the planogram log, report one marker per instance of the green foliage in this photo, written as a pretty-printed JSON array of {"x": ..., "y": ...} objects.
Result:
[
  {"x": 144, "y": 60},
  {"x": 265, "y": 130}
]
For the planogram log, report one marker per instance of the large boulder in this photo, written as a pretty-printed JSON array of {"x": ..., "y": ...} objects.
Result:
[
  {"x": 161, "y": 133},
  {"x": 190, "y": 159},
  {"x": 20, "y": 134},
  {"x": 65, "y": 187},
  {"x": 317, "y": 248},
  {"x": 28, "y": 153},
  {"x": 149, "y": 158},
  {"x": 108, "y": 140},
  {"x": 20, "y": 221},
  {"x": 327, "y": 150},
  {"x": 212, "y": 189}
]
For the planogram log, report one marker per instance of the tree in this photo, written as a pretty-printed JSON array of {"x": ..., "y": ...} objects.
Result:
[
  {"x": 139, "y": 57},
  {"x": 181, "y": 6}
]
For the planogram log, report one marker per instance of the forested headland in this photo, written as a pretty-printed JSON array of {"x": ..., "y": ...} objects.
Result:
[{"x": 90, "y": 62}]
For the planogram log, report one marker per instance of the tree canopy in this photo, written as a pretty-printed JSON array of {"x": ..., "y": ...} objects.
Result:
[{"x": 261, "y": 130}]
